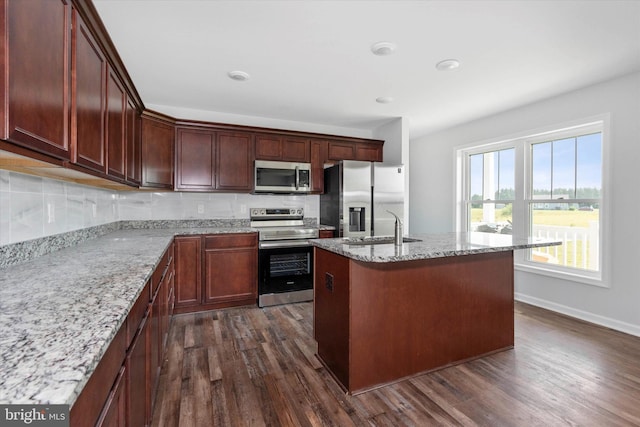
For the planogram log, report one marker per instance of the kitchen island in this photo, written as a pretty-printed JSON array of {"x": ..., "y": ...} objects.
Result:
[{"x": 383, "y": 313}]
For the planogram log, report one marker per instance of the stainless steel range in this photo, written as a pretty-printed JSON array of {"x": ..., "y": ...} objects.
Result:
[{"x": 285, "y": 256}]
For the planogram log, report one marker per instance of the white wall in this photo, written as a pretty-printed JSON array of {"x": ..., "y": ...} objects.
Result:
[
  {"x": 395, "y": 135},
  {"x": 141, "y": 205},
  {"x": 433, "y": 192},
  {"x": 33, "y": 207}
]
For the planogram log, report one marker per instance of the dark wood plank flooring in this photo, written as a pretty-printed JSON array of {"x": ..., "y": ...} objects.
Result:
[{"x": 256, "y": 367}]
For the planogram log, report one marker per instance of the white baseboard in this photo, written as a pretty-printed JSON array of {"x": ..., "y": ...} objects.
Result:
[{"x": 607, "y": 322}]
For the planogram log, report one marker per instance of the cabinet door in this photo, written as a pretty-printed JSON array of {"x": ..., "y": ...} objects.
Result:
[
  {"x": 133, "y": 144},
  {"x": 341, "y": 150},
  {"x": 36, "y": 69},
  {"x": 234, "y": 161},
  {"x": 88, "y": 98},
  {"x": 137, "y": 391},
  {"x": 318, "y": 158},
  {"x": 282, "y": 148},
  {"x": 153, "y": 356},
  {"x": 165, "y": 320},
  {"x": 114, "y": 413},
  {"x": 231, "y": 266},
  {"x": 116, "y": 126},
  {"x": 195, "y": 160},
  {"x": 157, "y": 154},
  {"x": 268, "y": 147},
  {"x": 295, "y": 150},
  {"x": 369, "y": 152},
  {"x": 188, "y": 279}
]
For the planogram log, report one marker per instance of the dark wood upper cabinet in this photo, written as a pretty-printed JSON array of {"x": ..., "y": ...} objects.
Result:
[
  {"x": 67, "y": 99},
  {"x": 88, "y": 98},
  {"x": 295, "y": 150},
  {"x": 369, "y": 151},
  {"x": 234, "y": 161},
  {"x": 195, "y": 159},
  {"x": 282, "y": 148},
  {"x": 365, "y": 151},
  {"x": 36, "y": 74},
  {"x": 318, "y": 158},
  {"x": 341, "y": 151},
  {"x": 157, "y": 153},
  {"x": 116, "y": 127},
  {"x": 133, "y": 144},
  {"x": 268, "y": 147}
]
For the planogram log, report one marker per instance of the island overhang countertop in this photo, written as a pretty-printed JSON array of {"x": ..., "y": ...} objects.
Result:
[{"x": 426, "y": 246}]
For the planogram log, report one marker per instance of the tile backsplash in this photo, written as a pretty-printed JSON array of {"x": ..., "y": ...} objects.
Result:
[{"x": 33, "y": 207}]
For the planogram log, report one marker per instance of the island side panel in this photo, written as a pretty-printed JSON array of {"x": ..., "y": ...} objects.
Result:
[
  {"x": 415, "y": 316},
  {"x": 331, "y": 312}
]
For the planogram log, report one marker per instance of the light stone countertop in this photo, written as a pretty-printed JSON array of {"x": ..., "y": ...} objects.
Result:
[
  {"x": 428, "y": 246},
  {"x": 60, "y": 312}
]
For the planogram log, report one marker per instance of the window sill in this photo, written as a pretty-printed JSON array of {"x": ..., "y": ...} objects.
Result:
[{"x": 564, "y": 275}]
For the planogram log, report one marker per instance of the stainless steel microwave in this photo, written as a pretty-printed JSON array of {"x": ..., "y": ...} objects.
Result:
[{"x": 282, "y": 177}]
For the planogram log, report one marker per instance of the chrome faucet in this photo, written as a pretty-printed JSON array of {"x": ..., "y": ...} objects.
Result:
[{"x": 398, "y": 234}]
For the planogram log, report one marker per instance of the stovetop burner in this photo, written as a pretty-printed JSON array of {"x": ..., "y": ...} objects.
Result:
[{"x": 281, "y": 224}]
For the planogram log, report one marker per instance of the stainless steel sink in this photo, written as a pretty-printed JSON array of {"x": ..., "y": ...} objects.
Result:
[{"x": 377, "y": 241}]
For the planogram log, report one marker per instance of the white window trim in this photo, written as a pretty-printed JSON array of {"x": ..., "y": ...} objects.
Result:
[{"x": 520, "y": 142}]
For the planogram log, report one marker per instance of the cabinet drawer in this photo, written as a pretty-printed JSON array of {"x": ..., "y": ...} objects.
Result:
[{"x": 228, "y": 241}]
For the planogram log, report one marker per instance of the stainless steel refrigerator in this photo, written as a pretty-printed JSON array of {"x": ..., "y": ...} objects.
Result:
[{"x": 358, "y": 196}]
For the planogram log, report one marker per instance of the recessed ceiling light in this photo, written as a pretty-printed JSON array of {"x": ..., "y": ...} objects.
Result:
[
  {"x": 240, "y": 76},
  {"x": 383, "y": 48},
  {"x": 384, "y": 99},
  {"x": 447, "y": 65}
]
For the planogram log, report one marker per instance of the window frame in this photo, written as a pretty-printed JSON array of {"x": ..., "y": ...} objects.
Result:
[{"x": 521, "y": 214}]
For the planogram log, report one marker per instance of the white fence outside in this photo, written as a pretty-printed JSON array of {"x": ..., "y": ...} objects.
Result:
[{"x": 580, "y": 246}]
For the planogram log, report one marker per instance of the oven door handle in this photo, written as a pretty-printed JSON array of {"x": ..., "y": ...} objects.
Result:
[{"x": 285, "y": 244}]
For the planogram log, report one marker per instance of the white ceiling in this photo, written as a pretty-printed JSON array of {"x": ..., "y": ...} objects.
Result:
[{"x": 310, "y": 60}]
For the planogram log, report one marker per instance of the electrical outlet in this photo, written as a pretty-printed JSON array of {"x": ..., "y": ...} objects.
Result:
[
  {"x": 328, "y": 281},
  {"x": 200, "y": 208}
]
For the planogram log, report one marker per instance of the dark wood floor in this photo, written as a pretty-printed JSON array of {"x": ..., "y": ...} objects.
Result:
[{"x": 254, "y": 367}]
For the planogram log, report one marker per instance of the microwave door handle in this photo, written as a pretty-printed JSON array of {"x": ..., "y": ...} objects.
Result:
[{"x": 297, "y": 178}]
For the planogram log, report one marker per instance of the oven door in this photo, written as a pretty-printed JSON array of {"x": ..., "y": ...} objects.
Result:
[{"x": 285, "y": 275}]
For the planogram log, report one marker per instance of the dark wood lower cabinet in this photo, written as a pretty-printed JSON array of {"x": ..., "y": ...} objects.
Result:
[
  {"x": 325, "y": 234},
  {"x": 215, "y": 271},
  {"x": 122, "y": 389},
  {"x": 188, "y": 271},
  {"x": 231, "y": 268},
  {"x": 114, "y": 413},
  {"x": 137, "y": 379}
]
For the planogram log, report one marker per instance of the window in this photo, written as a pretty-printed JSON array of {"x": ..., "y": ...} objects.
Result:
[{"x": 546, "y": 185}]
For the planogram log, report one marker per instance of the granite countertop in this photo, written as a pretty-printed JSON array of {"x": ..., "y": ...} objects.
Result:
[
  {"x": 60, "y": 312},
  {"x": 369, "y": 249}
]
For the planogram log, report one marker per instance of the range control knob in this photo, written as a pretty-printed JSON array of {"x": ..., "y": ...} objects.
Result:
[
  {"x": 263, "y": 212},
  {"x": 299, "y": 212}
]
